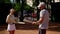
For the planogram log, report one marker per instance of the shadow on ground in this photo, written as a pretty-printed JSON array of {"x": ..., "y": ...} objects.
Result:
[
  {"x": 52, "y": 27},
  {"x": 27, "y": 27}
]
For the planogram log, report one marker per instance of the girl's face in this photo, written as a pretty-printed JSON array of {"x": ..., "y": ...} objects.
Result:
[{"x": 12, "y": 11}]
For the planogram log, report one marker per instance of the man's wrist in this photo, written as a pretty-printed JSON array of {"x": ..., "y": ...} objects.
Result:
[{"x": 37, "y": 21}]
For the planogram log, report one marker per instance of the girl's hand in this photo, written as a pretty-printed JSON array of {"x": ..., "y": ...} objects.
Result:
[{"x": 33, "y": 22}]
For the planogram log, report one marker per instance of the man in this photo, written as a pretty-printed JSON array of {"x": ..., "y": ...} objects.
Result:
[{"x": 44, "y": 18}]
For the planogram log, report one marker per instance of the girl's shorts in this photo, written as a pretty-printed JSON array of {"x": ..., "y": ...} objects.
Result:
[{"x": 11, "y": 27}]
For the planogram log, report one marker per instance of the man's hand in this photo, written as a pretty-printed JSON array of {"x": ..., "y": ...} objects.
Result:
[
  {"x": 33, "y": 22},
  {"x": 37, "y": 23}
]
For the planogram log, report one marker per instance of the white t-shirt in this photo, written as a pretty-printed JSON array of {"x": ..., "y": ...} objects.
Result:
[
  {"x": 10, "y": 25},
  {"x": 45, "y": 14}
]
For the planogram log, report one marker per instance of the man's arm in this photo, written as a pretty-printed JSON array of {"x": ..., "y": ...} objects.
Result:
[
  {"x": 40, "y": 20},
  {"x": 42, "y": 14}
]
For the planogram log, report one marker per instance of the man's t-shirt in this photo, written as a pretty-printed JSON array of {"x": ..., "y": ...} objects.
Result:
[{"x": 45, "y": 14}]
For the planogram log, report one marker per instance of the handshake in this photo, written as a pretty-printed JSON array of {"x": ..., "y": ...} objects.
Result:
[
  {"x": 34, "y": 22},
  {"x": 30, "y": 21},
  {"x": 37, "y": 23}
]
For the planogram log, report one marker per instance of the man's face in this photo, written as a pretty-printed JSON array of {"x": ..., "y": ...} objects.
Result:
[{"x": 42, "y": 7}]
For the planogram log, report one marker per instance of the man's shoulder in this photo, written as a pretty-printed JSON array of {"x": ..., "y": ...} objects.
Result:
[{"x": 44, "y": 10}]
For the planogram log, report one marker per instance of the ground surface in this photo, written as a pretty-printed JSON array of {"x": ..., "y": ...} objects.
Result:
[{"x": 54, "y": 28}]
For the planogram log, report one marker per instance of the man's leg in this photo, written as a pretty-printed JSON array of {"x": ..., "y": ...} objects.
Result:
[{"x": 42, "y": 31}]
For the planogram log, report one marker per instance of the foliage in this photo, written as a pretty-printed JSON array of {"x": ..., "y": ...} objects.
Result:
[
  {"x": 27, "y": 8},
  {"x": 1, "y": 1},
  {"x": 17, "y": 6},
  {"x": 6, "y": 1}
]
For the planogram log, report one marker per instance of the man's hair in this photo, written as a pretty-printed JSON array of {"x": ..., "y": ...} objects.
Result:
[{"x": 40, "y": 4}]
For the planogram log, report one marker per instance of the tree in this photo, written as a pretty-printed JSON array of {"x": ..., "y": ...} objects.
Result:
[
  {"x": 1, "y": 1},
  {"x": 6, "y": 1},
  {"x": 17, "y": 6}
]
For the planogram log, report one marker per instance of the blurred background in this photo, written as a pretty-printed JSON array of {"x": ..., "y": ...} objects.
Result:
[{"x": 28, "y": 9}]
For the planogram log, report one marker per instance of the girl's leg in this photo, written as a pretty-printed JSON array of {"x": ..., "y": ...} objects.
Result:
[{"x": 11, "y": 32}]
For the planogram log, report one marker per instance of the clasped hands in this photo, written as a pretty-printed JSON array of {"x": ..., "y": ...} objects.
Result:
[{"x": 35, "y": 23}]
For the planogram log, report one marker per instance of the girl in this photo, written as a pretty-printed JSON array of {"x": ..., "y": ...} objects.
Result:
[{"x": 11, "y": 20}]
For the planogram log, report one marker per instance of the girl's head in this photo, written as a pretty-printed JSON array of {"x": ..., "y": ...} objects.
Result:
[{"x": 12, "y": 11}]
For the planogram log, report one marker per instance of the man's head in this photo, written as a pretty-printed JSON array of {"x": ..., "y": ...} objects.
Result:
[{"x": 41, "y": 5}]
